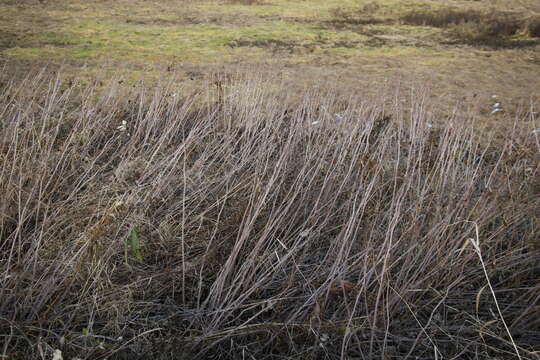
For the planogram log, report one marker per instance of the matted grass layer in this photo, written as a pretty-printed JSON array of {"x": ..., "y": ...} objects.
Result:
[{"x": 241, "y": 222}]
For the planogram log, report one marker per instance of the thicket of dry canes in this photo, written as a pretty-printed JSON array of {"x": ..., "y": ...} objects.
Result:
[{"x": 269, "y": 226}]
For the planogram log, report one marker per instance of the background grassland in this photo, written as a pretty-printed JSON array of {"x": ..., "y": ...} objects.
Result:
[{"x": 349, "y": 42}]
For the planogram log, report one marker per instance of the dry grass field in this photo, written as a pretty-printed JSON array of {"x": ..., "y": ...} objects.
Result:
[{"x": 269, "y": 179}]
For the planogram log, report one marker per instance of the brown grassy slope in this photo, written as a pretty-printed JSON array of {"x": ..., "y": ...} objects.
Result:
[{"x": 313, "y": 227}]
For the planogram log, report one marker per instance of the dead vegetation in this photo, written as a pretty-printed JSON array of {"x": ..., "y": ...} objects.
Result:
[
  {"x": 473, "y": 26},
  {"x": 156, "y": 223}
]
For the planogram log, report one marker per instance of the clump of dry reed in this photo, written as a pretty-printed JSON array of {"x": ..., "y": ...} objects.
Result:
[{"x": 267, "y": 227}]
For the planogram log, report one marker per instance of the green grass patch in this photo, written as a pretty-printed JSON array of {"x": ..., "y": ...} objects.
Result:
[{"x": 201, "y": 43}]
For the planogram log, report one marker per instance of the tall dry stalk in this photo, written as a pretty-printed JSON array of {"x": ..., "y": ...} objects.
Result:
[{"x": 272, "y": 224}]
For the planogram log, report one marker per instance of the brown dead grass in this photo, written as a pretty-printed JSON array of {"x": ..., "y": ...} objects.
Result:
[
  {"x": 475, "y": 26},
  {"x": 269, "y": 225}
]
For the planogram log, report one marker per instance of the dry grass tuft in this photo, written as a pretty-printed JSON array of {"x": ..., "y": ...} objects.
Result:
[
  {"x": 474, "y": 26},
  {"x": 260, "y": 226}
]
